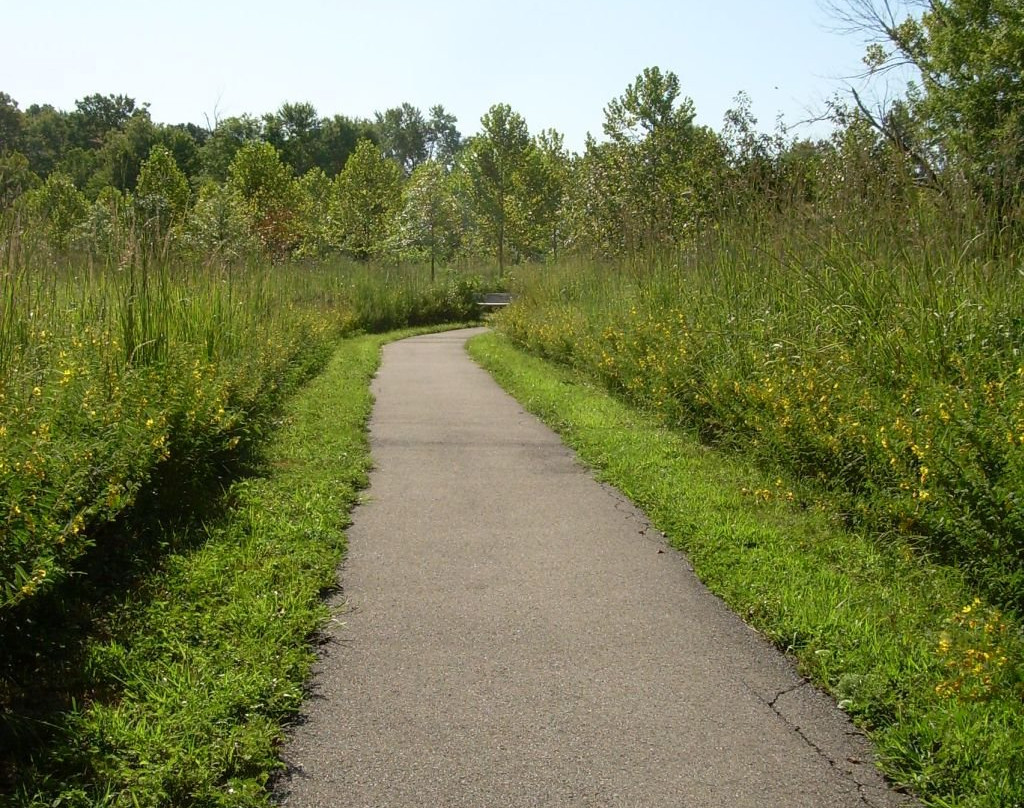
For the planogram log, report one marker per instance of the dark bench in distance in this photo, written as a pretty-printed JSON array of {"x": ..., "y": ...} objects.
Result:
[{"x": 494, "y": 300}]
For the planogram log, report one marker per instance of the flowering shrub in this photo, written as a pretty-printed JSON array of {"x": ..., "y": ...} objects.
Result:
[{"x": 974, "y": 649}]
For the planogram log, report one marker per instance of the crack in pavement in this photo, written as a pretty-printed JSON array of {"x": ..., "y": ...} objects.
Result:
[{"x": 853, "y": 767}]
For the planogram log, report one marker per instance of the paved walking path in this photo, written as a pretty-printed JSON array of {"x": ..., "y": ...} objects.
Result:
[{"x": 513, "y": 635}]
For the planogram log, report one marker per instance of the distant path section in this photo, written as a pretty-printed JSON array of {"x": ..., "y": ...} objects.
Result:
[{"x": 512, "y": 633}]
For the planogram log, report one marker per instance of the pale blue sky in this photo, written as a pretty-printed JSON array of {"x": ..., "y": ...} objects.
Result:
[{"x": 557, "y": 63}]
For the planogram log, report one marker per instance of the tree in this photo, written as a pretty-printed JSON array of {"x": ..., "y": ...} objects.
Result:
[
  {"x": 659, "y": 185},
  {"x": 548, "y": 176},
  {"x": 295, "y": 130},
  {"x": 162, "y": 193},
  {"x": 648, "y": 107},
  {"x": 801, "y": 171},
  {"x": 224, "y": 142},
  {"x": 181, "y": 140},
  {"x": 58, "y": 207},
  {"x": 107, "y": 224},
  {"x": 443, "y": 138},
  {"x": 96, "y": 115},
  {"x": 316, "y": 224},
  {"x": 273, "y": 199},
  {"x": 863, "y": 168},
  {"x": 969, "y": 109},
  {"x": 10, "y": 124},
  {"x": 493, "y": 162},
  {"x": 15, "y": 178},
  {"x": 403, "y": 136},
  {"x": 594, "y": 204},
  {"x": 80, "y": 165},
  {"x": 428, "y": 222},
  {"x": 44, "y": 137},
  {"x": 122, "y": 154},
  {"x": 652, "y": 134},
  {"x": 218, "y": 227},
  {"x": 338, "y": 138},
  {"x": 752, "y": 156},
  {"x": 367, "y": 195}
]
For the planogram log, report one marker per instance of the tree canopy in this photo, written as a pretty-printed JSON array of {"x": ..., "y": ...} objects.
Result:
[{"x": 406, "y": 185}]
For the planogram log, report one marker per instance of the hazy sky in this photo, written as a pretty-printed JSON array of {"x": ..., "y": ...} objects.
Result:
[{"x": 556, "y": 62}]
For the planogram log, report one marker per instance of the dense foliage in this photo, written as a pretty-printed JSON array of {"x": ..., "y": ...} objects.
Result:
[{"x": 134, "y": 397}]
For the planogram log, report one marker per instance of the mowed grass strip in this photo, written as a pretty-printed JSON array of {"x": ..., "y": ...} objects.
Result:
[
  {"x": 928, "y": 670},
  {"x": 212, "y": 657}
]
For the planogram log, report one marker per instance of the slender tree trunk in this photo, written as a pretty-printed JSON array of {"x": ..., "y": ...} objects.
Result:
[
  {"x": 433, "y": 249},
  {"x": 501, "y": 246}
]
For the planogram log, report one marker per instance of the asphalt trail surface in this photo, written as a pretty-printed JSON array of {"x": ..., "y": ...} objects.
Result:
[{"x": 510, "y": 632}]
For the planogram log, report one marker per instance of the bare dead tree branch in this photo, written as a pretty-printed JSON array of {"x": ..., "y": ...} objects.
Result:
[{"x": 895, "y": 137}]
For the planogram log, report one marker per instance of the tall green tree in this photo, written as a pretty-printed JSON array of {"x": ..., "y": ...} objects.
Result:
[
  {"x": 266, "y": 184},
  {"x": 367, "y": 197},
  {"x": 295, "y": 130},
  {"x": 81, "y": 166},
  {"x": 44, "y": 137},
  {"x": 428, "y": 223},
  {"x": 443, "y": 137},
  {"x": 16, "y": 177},
  {"x": 594, "y": 207},
  {"x": 653, "y": 136},
  {"x": 968, "y": 111},
  {"x": 162, "y": 193},
  {"x": 218, "y": 227},
  {"x": 546, "y": 181},
  {"x": 110, "y": 224},
  {"x": 316, "y": 224},
  {"x": 10, "y": 124},
  {"x": 121, "y": 156},
  {"x": 183, "y": 141},
  {"x": 338, "y": 138},
  {"x": 97, "y": 115},
  {"x": 224, "y": 142},
  {"x": 752, "y": 155},
  {"x": 403, "y": 136},
  {"x": 494, "y": 162},
  {"x": 58, "y": 208}
]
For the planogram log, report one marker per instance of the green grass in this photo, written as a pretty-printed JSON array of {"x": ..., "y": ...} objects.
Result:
[
  {"x": 203, "y": 657},
  {"x": 898, "y": 641}
]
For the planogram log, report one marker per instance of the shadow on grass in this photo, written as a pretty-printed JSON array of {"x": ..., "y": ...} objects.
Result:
[{"x": 45, "y": 669}]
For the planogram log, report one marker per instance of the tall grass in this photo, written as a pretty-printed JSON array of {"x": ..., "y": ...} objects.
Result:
[
  {"x": 168, "y": 685},
  {"x": 877, "y": 353},
  {"x": 111, "y": 369}
]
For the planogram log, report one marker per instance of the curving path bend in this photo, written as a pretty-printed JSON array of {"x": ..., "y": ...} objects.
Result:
[{"x": 511, "y": 633}]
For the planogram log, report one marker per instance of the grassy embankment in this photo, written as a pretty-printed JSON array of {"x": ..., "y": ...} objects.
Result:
[
  {"x": 162, "y": 562},
  {"x": 872, "y": 380},
  {"x": 205, "y": 658}
]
